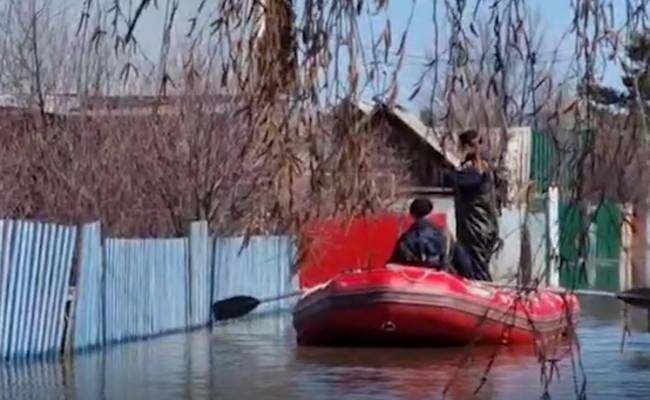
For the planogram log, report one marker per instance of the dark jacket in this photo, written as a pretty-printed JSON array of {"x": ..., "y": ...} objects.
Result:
[
  {"x": 477, "y": 226},
  {"x": 423, "y": 244}
]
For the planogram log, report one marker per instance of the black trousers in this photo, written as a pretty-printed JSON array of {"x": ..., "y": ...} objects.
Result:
[{"x": 468, "y": 266}]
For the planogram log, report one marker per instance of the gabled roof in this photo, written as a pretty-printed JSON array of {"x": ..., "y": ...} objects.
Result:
[{"x": 430, "y": 136}]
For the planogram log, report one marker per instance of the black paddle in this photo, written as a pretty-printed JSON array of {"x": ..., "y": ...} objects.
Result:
[
  {"x": 639, "y": 297},
  {"x": 238, "y": 306}
]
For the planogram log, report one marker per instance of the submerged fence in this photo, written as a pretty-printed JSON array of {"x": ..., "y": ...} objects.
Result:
[
  {"x": 35, "y": 264},
  {"x": 90, "y": 308},
  {"x": 261, "y": 269},
  {"x": 145, "y": 288},
  {"x": 125, "y": 288}
]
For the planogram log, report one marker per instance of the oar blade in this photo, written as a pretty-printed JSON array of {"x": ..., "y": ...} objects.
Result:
[
  {"x": 639, "y": 297},
  {"x": 233, "y": 307}
]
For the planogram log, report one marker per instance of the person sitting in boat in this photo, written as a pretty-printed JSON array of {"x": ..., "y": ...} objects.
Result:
[{"x": 430, "y": 246}]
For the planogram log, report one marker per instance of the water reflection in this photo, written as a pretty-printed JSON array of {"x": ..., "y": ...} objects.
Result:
[
  {"x": 405, "y": 374},
  {"x": 257, "y": 358},
  {"x": 35, "y": 381}
]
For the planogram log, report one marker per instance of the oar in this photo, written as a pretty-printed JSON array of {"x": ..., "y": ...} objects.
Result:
[
  {"x": 559, "y": 290},
  {"x": 639, "y": 297},
  {"x": 238, "y": 306}
]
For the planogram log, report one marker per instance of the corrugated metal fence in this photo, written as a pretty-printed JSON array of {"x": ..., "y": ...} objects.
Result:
[
  {"x": 200, "y": 276},
  {"x": 35, "y": 264},
  {"x": 89, "y": 315},
  {"x": 144, "y": 288},
  {"x": 125, "y": 288},
  {"x": 601, "y": 270},
  {"x": 261, "y": 269}
]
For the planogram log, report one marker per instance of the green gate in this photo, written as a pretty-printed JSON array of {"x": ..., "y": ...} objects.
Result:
[
  {"x": 602, "y": 249},
  {"x": 571, "y": 275},
  {"x": 548, "y": 163},
  {"x": 542, "y": 160},
  {"x": 608, "y": 247}
]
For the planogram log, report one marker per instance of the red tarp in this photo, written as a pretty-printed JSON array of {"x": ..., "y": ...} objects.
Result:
[{"x": 331, "y": 246}]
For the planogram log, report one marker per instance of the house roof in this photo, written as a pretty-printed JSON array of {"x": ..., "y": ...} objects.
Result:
[
  {"x": 428, "y": 135},
  {"x": 72, "y": 104}
]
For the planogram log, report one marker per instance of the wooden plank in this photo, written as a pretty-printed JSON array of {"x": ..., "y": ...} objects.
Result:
[{"x": 425, "y": 190}]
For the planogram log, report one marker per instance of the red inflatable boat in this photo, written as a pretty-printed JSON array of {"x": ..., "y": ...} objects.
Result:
[
  {"x": 376, "y": 304},
  {"x": 415, "y": 306}
]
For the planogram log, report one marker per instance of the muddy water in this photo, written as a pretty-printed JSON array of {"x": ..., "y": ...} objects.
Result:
[{"x": 258, "y": 359}]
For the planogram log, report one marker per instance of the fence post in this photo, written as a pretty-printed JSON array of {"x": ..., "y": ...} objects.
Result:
[
  {"x": 71, "y": 295},
  {"x": 625, "y": 258},
  {"x": 639, "y": 245},
  {"x": 102, "y": 282},
  {"x": 646, "y": 249},
  {"x": 213, "y": 259},
  {"x": 525, "y": 266},
  {"x": 189, "y": 275},
  {"x": 198, "y": 296},
  {"x": 553, "y": 236}
]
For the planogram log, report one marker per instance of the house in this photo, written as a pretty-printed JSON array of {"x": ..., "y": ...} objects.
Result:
[
  {"x": 429, "y": 152},
  {"x": 422, "y": 157}
]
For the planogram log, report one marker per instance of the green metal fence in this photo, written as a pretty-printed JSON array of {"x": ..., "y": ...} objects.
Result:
[
  {"x": 600, "y": 248},
  {"x": 550, "y": 162},
  {"x": 542, "y": 160},
  {"x": 602, "y": 244},
  {"x": 608, "y": 246}
]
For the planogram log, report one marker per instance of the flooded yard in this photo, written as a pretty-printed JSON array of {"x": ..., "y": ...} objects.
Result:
[{"x": 257, "y": 359}]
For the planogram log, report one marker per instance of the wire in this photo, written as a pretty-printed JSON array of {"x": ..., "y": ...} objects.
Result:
[{"x": 556, "y": 57}]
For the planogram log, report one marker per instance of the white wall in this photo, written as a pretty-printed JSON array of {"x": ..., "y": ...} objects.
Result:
[{"x": 505, "y": 263}]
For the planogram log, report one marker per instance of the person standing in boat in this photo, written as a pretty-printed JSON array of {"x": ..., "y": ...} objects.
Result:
[
  {"x": 426, "y": 245},
  {"x": 477, "y": 225}
]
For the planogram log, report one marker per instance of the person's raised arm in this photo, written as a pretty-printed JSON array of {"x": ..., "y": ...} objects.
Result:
[{"x": 468, "y": 178}]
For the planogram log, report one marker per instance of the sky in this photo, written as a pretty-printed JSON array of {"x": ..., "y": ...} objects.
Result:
[{"x": 554, "y": 19}]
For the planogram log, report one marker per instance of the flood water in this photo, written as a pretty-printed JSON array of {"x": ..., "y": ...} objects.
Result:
[{"x": 258, "y": 359}]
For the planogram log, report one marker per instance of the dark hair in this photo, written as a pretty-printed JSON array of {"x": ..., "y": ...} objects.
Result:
[
  {"x": 420, "y": 207},
  {"x": 467, "y": 137},
  {"x": 471, "y": 157}
]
